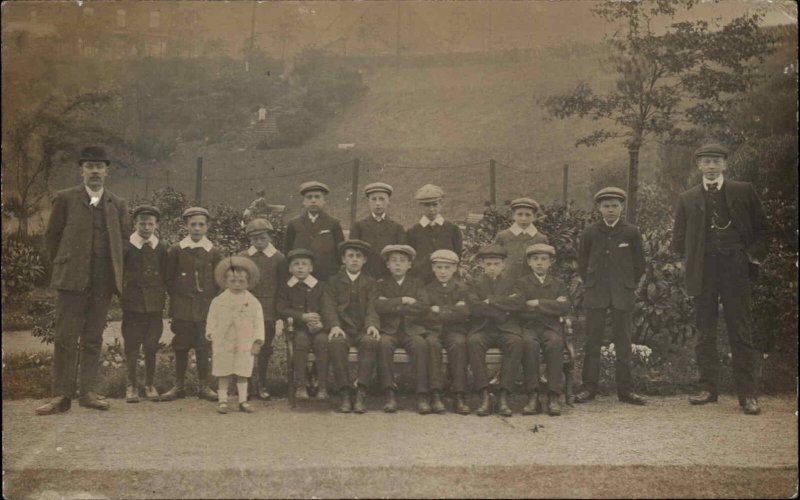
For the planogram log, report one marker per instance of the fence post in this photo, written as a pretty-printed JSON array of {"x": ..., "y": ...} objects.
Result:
[
  {"x": 146, "y": 185},
  {"x": 354, "y": 192},
  {"x": 492, "y": 182},
  {"x": 198, "y": 187},
  {"x": 566, "y": 188}
]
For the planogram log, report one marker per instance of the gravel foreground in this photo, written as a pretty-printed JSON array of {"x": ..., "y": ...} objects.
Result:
[{"x": 604, "y": 449}]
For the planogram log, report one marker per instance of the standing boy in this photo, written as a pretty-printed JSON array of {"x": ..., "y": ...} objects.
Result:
[
  {"x": 272, "y": 271},
  {"x": 493, "y": 297},
  {"x": 300, "y": 298},
  {"x": 611, "y": 263},
  {"x": 447, "y": 320},
  {"x": 402, "y": 304},
  {"x": 720, "y": 231},
  {"x": 432, "y": 232},
  {"x": 348, "y": 312},
  {"x": 520, "y": 235},
  {"x": 143, "y": 298},
  {"x": 546, "y": 300},
  {"x": 191, "y": 286},
  {"x": 315, "y": 230},
  {"x": 378, "y": 229}
]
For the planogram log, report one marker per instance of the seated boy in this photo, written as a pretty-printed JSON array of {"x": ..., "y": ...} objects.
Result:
[
  {"x": 348, "y": 312},
  {"x": 402, "y": 304},
  {"x": 300, "y": 298},
  {"x": 493, "y": 297},
  {"x": 447, "y": 320},
  {"x": 520, "y": 235},
  {"x": 546, "y": 300}
]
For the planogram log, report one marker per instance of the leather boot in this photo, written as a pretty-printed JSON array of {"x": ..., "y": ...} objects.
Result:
[
  {"x": 633, "y": 398},
  {"x": 58, "y": 404},
  {"x": 151, "y": 393},
  {"x": 391, "y": 402},
  {"x": 322, "y": 394},
  {"x": 485, "y": 407},
  {"x": 301, "y": 394},
  {"x": 207, "y": 393},
  {"x": 131, "y": 395},
  {"x": 360, "y": 406},
  {"x": 751, "y": 406},
  {"x": 461, "y": 405},
  {"x": 553, "y": 404},
  {"x": 345, "y": 406},
  {"x": 90, "y": 400},
  {"x": 584, "y": 396},
  {"x": 423, "y": 407},
  {"x": 174, "y": 393},
  {"x": 502, "y": 408},
  {"x": 703, "y": 398},
  {"x": 437, "y": 405},
  {"x": 534, "y": 406}
]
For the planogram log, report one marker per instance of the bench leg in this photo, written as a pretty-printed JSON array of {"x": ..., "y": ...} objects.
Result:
[
  {"x": 569, "y": 397},
  {"x": 290, "y": 371}
]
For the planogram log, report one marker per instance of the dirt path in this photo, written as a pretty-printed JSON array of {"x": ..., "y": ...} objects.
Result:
[{"x": 188, "y": 436}]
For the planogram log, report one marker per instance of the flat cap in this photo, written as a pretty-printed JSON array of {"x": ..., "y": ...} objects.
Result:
[
  {"x": 236, "y": 262},
  {"x": 378, "y": 187},
  {"x": 404, "y": 249},
  {"x": 525, "y": 203},
  {"x": 447, "y": 256},
  {"x": 611, "y": 192},
  {"x": 194, "y": 211},
  {"x": 146, "y": 210},
  {"x": 429, "y": 193},
  {"x": 537, "y": 248},
  {"x": 298, "y": 253},
  {"x": 257, "y": 226},
  {"x": 93, "y": 153},
  {"x": 712, "y": 149},
  {"x": 492, "y": 251},
  {"x": 314, "y": 186},
  {"x": 361, "y": 245}
]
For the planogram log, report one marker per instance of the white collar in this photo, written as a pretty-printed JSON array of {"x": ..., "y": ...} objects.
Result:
[
  {"x": 718, "y": 181},
  {"x": 353, "y": 277},
  {"x": 516, "y": 230},
  {"x": 613, "y": 224},
  {"x": 399, "y": 283},
  {"x": 379, "y": 219},
  {"x": 138, "y": 241},
  {"x": 425, "y": 221},
  {"x": 204, "y": 243},
  {"x": 313, "y": 218},
  {"x": 540, "y": 278},
  {"x": 269, "y": 251},
  {"x": 310, "y": 281},
  {"x": 94, "y": 196}
]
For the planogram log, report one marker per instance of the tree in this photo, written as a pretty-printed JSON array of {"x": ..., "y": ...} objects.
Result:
[{"x": 674, "y": 84}]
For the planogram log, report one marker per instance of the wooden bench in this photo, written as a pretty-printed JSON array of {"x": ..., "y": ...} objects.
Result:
[{"x": 494, "y": 357}]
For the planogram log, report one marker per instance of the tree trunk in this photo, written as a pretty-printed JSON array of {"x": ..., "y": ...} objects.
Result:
[{"x": 633, "y": 182}]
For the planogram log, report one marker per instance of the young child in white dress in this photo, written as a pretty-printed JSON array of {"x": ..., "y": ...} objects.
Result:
[{"x": 235, "y": 327}]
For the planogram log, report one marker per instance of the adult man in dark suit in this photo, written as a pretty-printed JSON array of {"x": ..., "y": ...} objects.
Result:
[
  {"x": 720, "y": 231},
  {"x": 611, "y": 263},
  {"x": 84, "y": 239}
]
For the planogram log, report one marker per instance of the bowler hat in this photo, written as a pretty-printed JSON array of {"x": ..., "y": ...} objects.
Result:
[
  {"x": 93, "y": 153},
  {"x": 239, "y": 263}
]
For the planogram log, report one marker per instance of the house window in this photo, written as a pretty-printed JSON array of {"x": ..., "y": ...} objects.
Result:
[
  {"x": 121, "y": 18},
  {"x": 155, "y": 19}
]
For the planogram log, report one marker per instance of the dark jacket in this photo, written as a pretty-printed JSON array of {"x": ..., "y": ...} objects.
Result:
[
  {"x": 190, "y": 281},
  {"x": 426, "y": 240},
  {"x": 689, "y": 233},
  {"x": 398, "y": 318},
  {"x": 294, "y": 301},
  {"x": 452, "y": 316},
  {"x": 68, "y": 237},
  {"x": 338, "y": 308},
  {"x": 378, "y": 235},
  {"x": 143, "y": 285},
  {"x": 516, "y": 263},
  {"x": 504, "y": 301},
  {"x": 321, "y": 237},
  {"x": 547, "y": 315},
  {"x": 272, "y": 272},
  {"x": 611, "y": 263}
]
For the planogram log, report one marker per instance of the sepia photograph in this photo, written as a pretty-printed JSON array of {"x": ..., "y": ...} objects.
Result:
[{"x": 399, "y": 249}]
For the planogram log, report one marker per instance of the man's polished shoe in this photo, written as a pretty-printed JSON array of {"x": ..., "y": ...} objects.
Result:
[
  {"x": 58, "y": 404},
  {"x": 633, "y": 399},
  {"x": 131, "y": 395},
  {"x": 90, "y": 400},
  {"x": 704, "y": 397},
  {"x": 534, "y": 406},
  {"x": 423, "y": 407},
  {"x": 391, "y": 402},
  {"x": 553, "y": 404},
  {"x": 345, "y": 406},
  {"x": 461, "y": 405},
  {"x": 751, "y": 406},
  {"x": 301, "y": 394},
  {"x": 437, "y": 405},
  {"x": 584, "y": 396},
  {"x": 360, "y": 406},
  {"x": 151, "y": 393},
  {"x": 322, "y": 394},
  {"x": 264, "y": 395},
  {"x": 207, "y": 393},
  {"x": 502, "y": 407},
  {"x": 174, "y": 393},
  {"x": 485, "y": 407}
]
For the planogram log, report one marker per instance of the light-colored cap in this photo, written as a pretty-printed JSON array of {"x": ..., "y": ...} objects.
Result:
[
  {"x": 236, "y": 262},
  {"x": 525, "y": 203},
  {"x": 611, "y": 192},
  {"x": 378, "y": 187},
  {"x": 540, "y": 248},
  {"x": 404, "y": 249},
  {"x": 429, "y": 193},
  {"x": 447, "y": 256},
  {"x": 257, "y": 226},
  {"x": 314, "y": 186},
  {"x": 189, "y": 212}
]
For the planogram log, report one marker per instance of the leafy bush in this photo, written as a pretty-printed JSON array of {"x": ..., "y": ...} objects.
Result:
[{"x": 22, "y": 268}]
